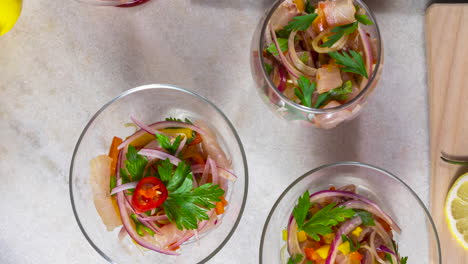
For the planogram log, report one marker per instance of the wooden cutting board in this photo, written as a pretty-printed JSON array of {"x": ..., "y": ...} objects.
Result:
[{"x": 447, "y": 59}]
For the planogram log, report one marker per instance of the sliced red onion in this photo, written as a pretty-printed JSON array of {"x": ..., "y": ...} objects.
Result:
[
  {"x": 204, "y": 177},
  {"x": 229, "y": 175},
  {"x": 345, "y": 228},
  {"x": 190, "y": 233},
  {"x": 214, "y": 171},
  {"x": 293, "y": 242},
  {"x": 150, "y": 225},
  {"x": 284, "y": 60},
  {"x": 386, "y": 250},
  {"x": 368, "y": 256},
  {"x": 157, "y": 126},
  {"x": 373, "y": 250},
  {"x": 155, "y": 218},
  {"x": 143, "y": 126},
  {"x": 132, "y": 233},
  {"x": 159, "y": 155},
  {"x": 181, "y": 146},
  {"x": 123, "y": 187},
  {"x": 329, "y": 193},
  {"x": 368, "y": 54},
  {"x": 307, "y": 70},
  {"x": 282, "y": 78},
  {"x": 348, "y": 188}
]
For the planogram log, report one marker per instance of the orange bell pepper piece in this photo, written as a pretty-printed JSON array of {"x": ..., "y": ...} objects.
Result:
[
  {"x": 114, "y": 153},
  {"x": 311, "y": 254}
]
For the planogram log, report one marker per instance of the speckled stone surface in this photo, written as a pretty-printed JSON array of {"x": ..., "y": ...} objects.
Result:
[{"x": 64, "y": 60}]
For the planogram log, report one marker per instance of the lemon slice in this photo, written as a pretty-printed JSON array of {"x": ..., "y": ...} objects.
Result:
[
  {"x": 9, "y": 13},
  {"x": 456, "y": 210}
]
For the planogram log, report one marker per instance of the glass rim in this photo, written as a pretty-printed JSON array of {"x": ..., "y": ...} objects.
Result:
[
  {"x": 106, "y": 2},
  {"x": 309, "y": 109},
  {"x": 179, "y": 89},
  {"x": 357, "y": 164}
]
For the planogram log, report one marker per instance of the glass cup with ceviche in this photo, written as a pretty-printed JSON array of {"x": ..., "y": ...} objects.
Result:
[
  {"x": 349, "y": 213},
  {"x": 315, "y": 62},
  {"x": 171, "y": 189}
]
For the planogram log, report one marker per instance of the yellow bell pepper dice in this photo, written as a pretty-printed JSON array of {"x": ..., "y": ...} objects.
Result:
[
  {"x": 357, "y": 231},
  {"x": 323, "y": 251},
  {"x": 142, "y": 140},
  {"x": 344, "y": 248},
  {"x": 301, "y": 236},
  {"x": 285, "y": 235},
  {"x": 174, "y": 131},
  {"x": 329, "y": 238},
  {"x": 300, "y": 5}
]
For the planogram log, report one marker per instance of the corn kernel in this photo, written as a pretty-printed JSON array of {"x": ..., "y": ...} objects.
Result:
[
  {"x": 329, "y": 238},
  {"x": 285, "y": 235},
  {"x": 344, "y": 248},
  {"x": 323, "y": 251},
  {"x": 301, "y": 236},
  {"x": 357, "y": 231}
]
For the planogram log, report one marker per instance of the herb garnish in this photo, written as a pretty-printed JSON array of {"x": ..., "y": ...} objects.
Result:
[
  {"x": 295, "y": 259},
  {"x": 283, "y": 43},
  {"x": 351, "y": 61},
  {"x": 366, "y": 217},
  {"x": 134, "y": 166},
  {"x": 306, "y": 90},
  {"x": 340, "y": 31},
  {"x": 352, "y": 246},
  {"x": 309, "y": 8},
  {"x": 339, "y": 93},
  {"x": 166, "y": 144},
  {"x": 301, "y": 22},
  {"x": 363, "y": 19},
  {"x": 268, "y": 68}
]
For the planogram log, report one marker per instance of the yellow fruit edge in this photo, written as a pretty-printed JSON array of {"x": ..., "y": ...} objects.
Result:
[{"x": 451, "y": 222}]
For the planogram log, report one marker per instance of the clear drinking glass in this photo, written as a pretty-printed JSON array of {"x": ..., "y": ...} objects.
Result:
[
  {"x": 119, "y": 3},
  {"x": 418, "y": 239},
  {"x": 294, "y": 112},
  {"x": 152, "y": 103}
]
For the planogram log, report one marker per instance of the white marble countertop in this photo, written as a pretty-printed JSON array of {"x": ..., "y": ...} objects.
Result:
[{"x": 64, "y": 60}]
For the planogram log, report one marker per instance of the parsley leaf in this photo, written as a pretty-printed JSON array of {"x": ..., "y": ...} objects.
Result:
[
  {"x": 322, "y": 221},
  {"x": 134, "y": 166},
  {"x": 366, "y": 217},
  {"x": 339, "y": 93},
  {"x": 283, "y": 43},
  {"x": 351, "y": 61},
  {"x": 178, "y": 177},
  {"x": 166, "y": 143},
  {"x": 186, "y": 207},
  {"x": 113, "y": 182},
  {"x": 295, "y": 259},
  {"x": 301, "y": 22},
  {"x": 363, "y": 19},
  {"x": 306, "y": 91},
  {"x": 301, "y": 209},
  {"x": 165, "y": 170},
  {"x": 268, "y": 68},
  {"x": 404, "y": 260},
  {"x": 339, "y": 33},
  {"x": 186, "y": 120},
  {"x": 352, "y": 246},
  {"x": 309, "y": 8}
]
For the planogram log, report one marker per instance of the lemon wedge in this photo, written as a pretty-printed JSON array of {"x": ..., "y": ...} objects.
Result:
[
  {"x": 456, "y": 210},
  {"x": 9, "y": 13}
]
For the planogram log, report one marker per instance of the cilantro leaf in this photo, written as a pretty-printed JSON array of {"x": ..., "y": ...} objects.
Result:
[
  {"x": 309, "y": 7},
  {"x": 363, "y": 19},
  {"x": 352, "y": 246},
  {"x": 134, "y": 166},
  {"x": 268, "y": 68},
  {"x": 301, "y": 209},
  {"x": 340, "y": 31},
  {"x": 301, "y": 22},
  {"x": 165, "y": 170},
  {"x": 295, "y": 259},
  {"x": 306, "y": 91},
  {"x": 351, "y": 61},
  {"x": 404, "y": 260},
  {"x": 282, "y": 42},
  {"x": 178, "y": 177},
  {"x": 322, "y": 221},
  {"x": 166, "y": 143},
  {"x": 185, "y": 208},
  {"x": 366, "y": 217}
]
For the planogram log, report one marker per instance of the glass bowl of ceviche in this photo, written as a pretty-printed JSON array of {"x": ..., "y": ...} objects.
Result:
[
  {"x": 330, "y": 61},
  {"x": 349, "y": 213},
  {"x": 158, "y": 175}
]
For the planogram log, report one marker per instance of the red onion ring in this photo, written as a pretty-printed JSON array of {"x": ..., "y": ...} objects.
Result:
[
  {"x": 345, "y": 228},
  {"x": 159, "y": 155},
  {"x": 214, "y": 171},
  {"x": 123, "y": 187}
]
